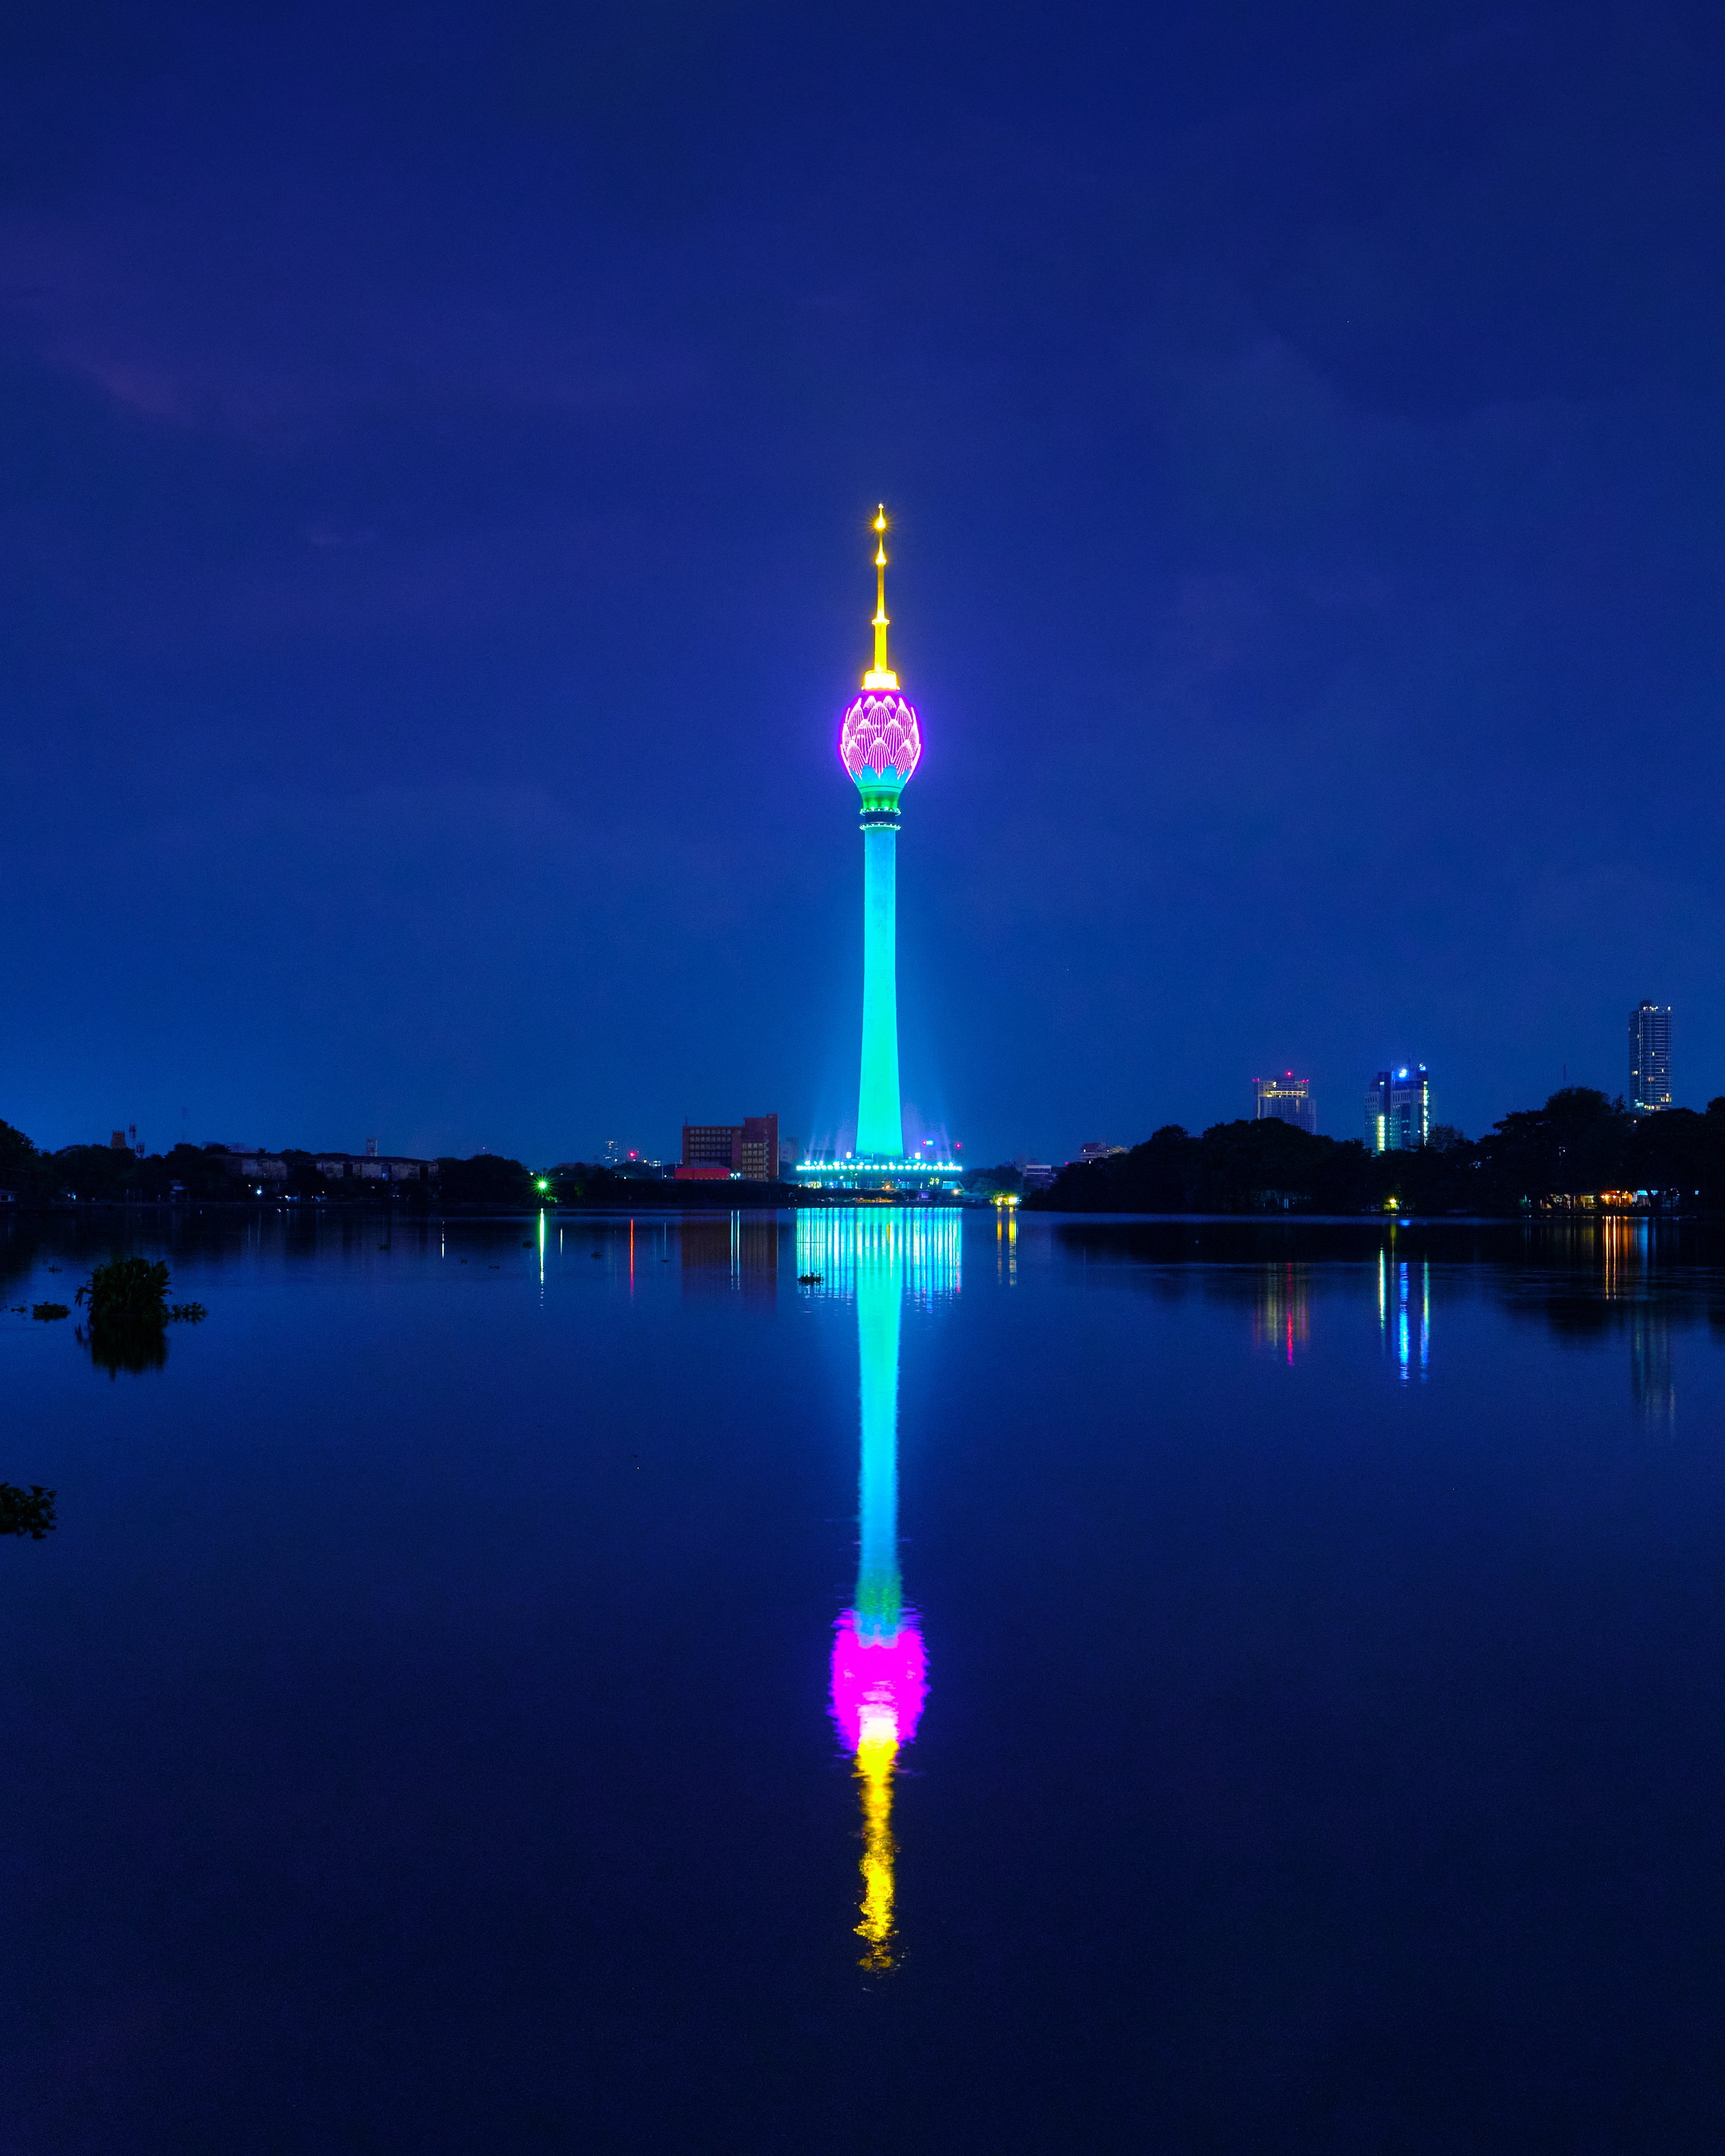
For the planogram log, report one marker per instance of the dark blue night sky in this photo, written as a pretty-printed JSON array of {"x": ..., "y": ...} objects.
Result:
[{"x": 436, "y": 452}]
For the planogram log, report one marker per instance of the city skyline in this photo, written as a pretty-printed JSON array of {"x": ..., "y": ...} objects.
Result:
[{"x": 745, "y": 1147}]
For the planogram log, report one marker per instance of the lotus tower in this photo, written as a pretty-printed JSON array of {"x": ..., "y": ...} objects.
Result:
[{"x": 881, "y": 745}]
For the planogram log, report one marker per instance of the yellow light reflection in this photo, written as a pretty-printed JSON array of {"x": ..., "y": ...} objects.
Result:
[{"x": 875, "y": 1756}]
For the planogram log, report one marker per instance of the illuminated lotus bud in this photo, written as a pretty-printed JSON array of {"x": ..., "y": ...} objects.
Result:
[{"x": 879, "y": 733}]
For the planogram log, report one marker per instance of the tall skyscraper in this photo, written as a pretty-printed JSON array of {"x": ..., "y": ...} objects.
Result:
[
  {"x": 1399, "y": 1109},
  {"x": 1288, "y": 1099},
  {"x": 1650, "y": 1057},
  {"x": 881, "y": 745}
]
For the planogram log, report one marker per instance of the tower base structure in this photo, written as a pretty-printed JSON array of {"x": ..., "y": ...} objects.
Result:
[{"x": 890, "y": 1177}]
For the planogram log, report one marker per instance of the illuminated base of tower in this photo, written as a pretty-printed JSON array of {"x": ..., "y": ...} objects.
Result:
[{"x": 881, "y": 1174}]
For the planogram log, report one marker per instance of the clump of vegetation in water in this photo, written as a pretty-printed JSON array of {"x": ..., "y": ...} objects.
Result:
[
  {"x": 48, "y": 1310},
  {"x": 127, "y": 1292},
  {"x": 130, "y": 1313},
  {"x": 26, "y": 1511}
]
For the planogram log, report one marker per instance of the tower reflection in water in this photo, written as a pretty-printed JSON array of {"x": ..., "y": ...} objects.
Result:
[
  {"x": 880, "y": 1258},
  {"x": 1404, "y": 1311},
  {"x": 1626, "y": 1256},
  {"x": 1281, "y": 1320}
]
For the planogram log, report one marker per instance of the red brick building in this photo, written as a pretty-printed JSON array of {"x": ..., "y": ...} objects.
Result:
[{"x": 749, "y": 1149}]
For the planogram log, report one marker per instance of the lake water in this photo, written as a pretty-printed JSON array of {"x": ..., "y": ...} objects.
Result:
[{"x": 1097, "y": 1686}]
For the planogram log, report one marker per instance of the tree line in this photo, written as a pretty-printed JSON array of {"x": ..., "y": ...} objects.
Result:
[
  {"x": 1579, "y": 1147},
  {"x": 205, "y": 1174}
]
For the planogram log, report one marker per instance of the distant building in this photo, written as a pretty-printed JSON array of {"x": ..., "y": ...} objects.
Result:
[
  {"x": 251, "y": 1166},
  {"x": 1039, "y": 1175},
  {"x": 749, "y": 1149},
  {"x": 371, "y": 1166},
  {"x": 758, "y": 1150},
  {"x": 1398, "y": 1110},
  {"x": 637, "y": 1166},
  {"x": 1095, "y": 1149},
  {"x": 1288, "y": 1099},
  {"x": 1650, "y": 1057}
]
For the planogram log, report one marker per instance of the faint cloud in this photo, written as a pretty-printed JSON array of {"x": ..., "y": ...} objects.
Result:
[{"x": 168, "y": 314}]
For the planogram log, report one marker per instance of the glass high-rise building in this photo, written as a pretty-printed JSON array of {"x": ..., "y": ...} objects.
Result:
[
  {"x": 1650, "y": 1057},
  {"x": 1399, "y": 1109},
  {"x": 1288, "y": 1099}
]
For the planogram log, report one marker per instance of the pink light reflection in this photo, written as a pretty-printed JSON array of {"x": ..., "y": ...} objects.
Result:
[{"x": 879, "y": 1685}]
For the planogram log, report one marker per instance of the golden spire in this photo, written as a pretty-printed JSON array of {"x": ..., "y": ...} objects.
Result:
[{"x": 880, "y": 675}]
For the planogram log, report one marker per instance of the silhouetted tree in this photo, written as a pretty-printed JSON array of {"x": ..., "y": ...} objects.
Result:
[
  {"x": 991, "y": 1182},
  {"x": 23, "y": 1171},
  {"x": 1577, "y": 1142},
  {"x": 26, "y": 1511},
  {"x": 487, "y": 1179}
]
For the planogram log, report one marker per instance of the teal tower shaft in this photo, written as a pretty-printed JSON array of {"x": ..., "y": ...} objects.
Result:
[
  {"x": 880, "y": 1126},
  {"x": 880, "y": 1296}
]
